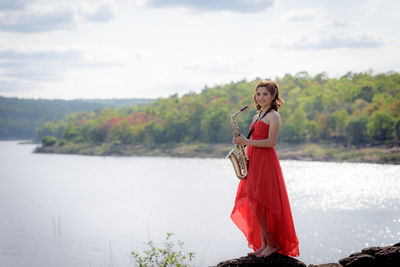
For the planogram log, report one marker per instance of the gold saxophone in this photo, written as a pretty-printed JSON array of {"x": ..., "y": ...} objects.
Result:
[{"x": 237, "y": 155}]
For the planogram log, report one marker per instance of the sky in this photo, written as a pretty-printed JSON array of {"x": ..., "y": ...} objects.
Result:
[{"x": 154, "y": 48}]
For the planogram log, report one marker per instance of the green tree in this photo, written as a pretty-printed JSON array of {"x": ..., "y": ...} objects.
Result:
[
  {"x": 299, "y": 121},
  {"x": 313, "y": 131},
  {"x": 397, "y": 130},
  {"x": 287, "y": 133},
  {"x": 49, "y": 141},
  {"x": 356, "y": 129},
  {"x": 215, "y": 125},
  {"x": 380, "y": 126},
  {"x": 366, "y": 93},
  {"x": 337, "y": 122},
  {"x": 72, "y": 134},
  {"x": 122, "y": 133}
]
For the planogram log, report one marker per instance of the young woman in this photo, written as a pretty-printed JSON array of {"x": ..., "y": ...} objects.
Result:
[{"x": 262, "y": 210}]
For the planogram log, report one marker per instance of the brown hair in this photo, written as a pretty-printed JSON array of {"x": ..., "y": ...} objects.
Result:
[{"x": 277, "y": 102}]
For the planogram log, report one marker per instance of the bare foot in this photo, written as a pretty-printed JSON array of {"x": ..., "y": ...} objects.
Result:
[
  {"x": 267, "y": 252},
  {"x": 258, "y": 251}
]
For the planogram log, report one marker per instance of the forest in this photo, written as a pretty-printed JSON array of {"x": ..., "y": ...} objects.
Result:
[
  {"x": 20, "y": 118},
  {"x": 361, "y": 109}
]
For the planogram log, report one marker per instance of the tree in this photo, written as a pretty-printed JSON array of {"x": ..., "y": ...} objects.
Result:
[
  {"x": 122, "y": 132},
  {"x": 380, "y": 126},
  {"x": 299, "y": 121},
  {"x": 287, "y": 133},
  {"x": 72, "y": 134},
  {"x": 49, "y": 141},
  {"x": 337, "y": 122},
  {"x": 366, "y": 93},
  {"x": 215, "y": 125},
  {"x": 397, "y": 130},
  {"x": 356, "y": 129}
]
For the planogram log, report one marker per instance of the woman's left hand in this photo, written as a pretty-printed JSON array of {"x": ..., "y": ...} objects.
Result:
[{"x": 240, "y": 140}]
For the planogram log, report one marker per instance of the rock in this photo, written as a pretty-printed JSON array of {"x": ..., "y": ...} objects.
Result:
[
  {"x": 361, "y": 260},
  {"x": 374, "y": 257},
  {"x": 389, "y": 256},
  {"x": 369, "y": 257},
  {"x": 326, "y": 265},
  {"x": 371, "y": 251},
  {"x": 253, "y": 261}
]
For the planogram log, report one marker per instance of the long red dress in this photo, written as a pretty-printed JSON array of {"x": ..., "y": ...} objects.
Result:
[{"x": 262, "y": 198}]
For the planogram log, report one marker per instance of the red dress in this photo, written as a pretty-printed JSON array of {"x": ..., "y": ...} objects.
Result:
[{"x": 262, "y": 198}]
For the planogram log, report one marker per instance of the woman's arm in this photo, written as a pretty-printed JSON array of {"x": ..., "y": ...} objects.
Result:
[{"x": 274, "y": 123}]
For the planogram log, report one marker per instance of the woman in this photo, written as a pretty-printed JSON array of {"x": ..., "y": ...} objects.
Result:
[{"x": 262, "y": 210}]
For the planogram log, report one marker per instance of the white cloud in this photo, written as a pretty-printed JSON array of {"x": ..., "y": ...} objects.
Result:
[
  {"x": 218, "y": 67},
  {"x": 303, "y": 15},
  {"x": 99, "y": 12},
  {"x": 45, "y": 65},
  {"x": 332, "y": 41},
  {"x": 44, "y": 18},
  {"x": 14, "y": 4},
  {"x": 240, "y": 6},
  {"x": 37, "y": 19}
]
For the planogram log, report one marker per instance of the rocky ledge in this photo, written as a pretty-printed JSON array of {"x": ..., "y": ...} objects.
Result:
[
  {"x": 374, "y": 257},
  {"x": 369, "y": 257}
]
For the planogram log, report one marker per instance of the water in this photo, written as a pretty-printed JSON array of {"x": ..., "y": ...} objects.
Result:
[{"x": 68, "y": 210}]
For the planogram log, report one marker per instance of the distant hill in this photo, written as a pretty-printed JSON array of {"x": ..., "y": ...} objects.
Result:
[{"x": 19, "y": 118}]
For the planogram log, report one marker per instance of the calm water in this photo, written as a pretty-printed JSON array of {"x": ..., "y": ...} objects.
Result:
[{"x": 66, "y": 210}]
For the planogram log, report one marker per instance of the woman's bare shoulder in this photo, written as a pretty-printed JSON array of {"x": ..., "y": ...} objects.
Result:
[{"x": 273, "y": 116}]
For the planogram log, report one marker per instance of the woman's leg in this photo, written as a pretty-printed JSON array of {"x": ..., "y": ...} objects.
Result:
[
  {"x": 261, "y": 249},
  {"x": 263, "y": 235},
  {"x": 269, "y": 249},
  {"x": 270, "y": 243}
]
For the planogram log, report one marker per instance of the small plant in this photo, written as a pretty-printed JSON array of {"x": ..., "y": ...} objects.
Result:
[{"x": 164, "y": 257}]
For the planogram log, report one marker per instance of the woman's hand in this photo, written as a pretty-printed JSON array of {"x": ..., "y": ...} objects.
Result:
[{"x": 240, "y": 140}]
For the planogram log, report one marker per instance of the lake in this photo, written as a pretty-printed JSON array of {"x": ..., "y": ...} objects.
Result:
[{"x": 70, "y": 210}]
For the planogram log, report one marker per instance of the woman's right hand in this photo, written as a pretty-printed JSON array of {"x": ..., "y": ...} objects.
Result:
[{"x": 240, "y": 140}]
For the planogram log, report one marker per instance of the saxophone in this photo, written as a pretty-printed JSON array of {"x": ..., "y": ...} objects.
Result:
[{"x": 237, "y": 155}]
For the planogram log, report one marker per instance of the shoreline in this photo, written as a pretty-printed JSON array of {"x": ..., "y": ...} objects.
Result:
[{"x": 305, "y": 151}]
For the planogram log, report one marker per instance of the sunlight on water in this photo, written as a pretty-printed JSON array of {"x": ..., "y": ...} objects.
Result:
[{"x": 342, "y": 186}]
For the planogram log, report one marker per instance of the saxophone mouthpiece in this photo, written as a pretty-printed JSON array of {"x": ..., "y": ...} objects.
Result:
[{"x": 243, "y": 108}]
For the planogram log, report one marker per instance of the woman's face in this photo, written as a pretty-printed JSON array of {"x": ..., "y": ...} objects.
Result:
[{"x": 263, "y": 97}]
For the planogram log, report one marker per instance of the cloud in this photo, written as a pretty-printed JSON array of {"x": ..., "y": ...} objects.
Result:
[
  {"x": 217, "y": 67},
  {"x": 101, "y": 12},
  {"x": 29, "y": 19},
  {"x": 13, "y": 4},
  {"x": 45, "y": 65},
  {"x": 37, "y": 20},
  {"x": 333, "y": 41},
  {"x": 302, "y": 15},
  {"x": 241, "y": 6},
  {"x": 10, "y": 86},
  {"x": 38, "y": 65}
]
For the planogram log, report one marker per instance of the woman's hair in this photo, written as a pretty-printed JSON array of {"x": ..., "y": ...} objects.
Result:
[{"x": 277, "y": 102}]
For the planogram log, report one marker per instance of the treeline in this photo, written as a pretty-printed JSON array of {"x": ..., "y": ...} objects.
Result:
[
  {"x": 20, "y": 118},
  {"x": 357, "y": 108}
]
